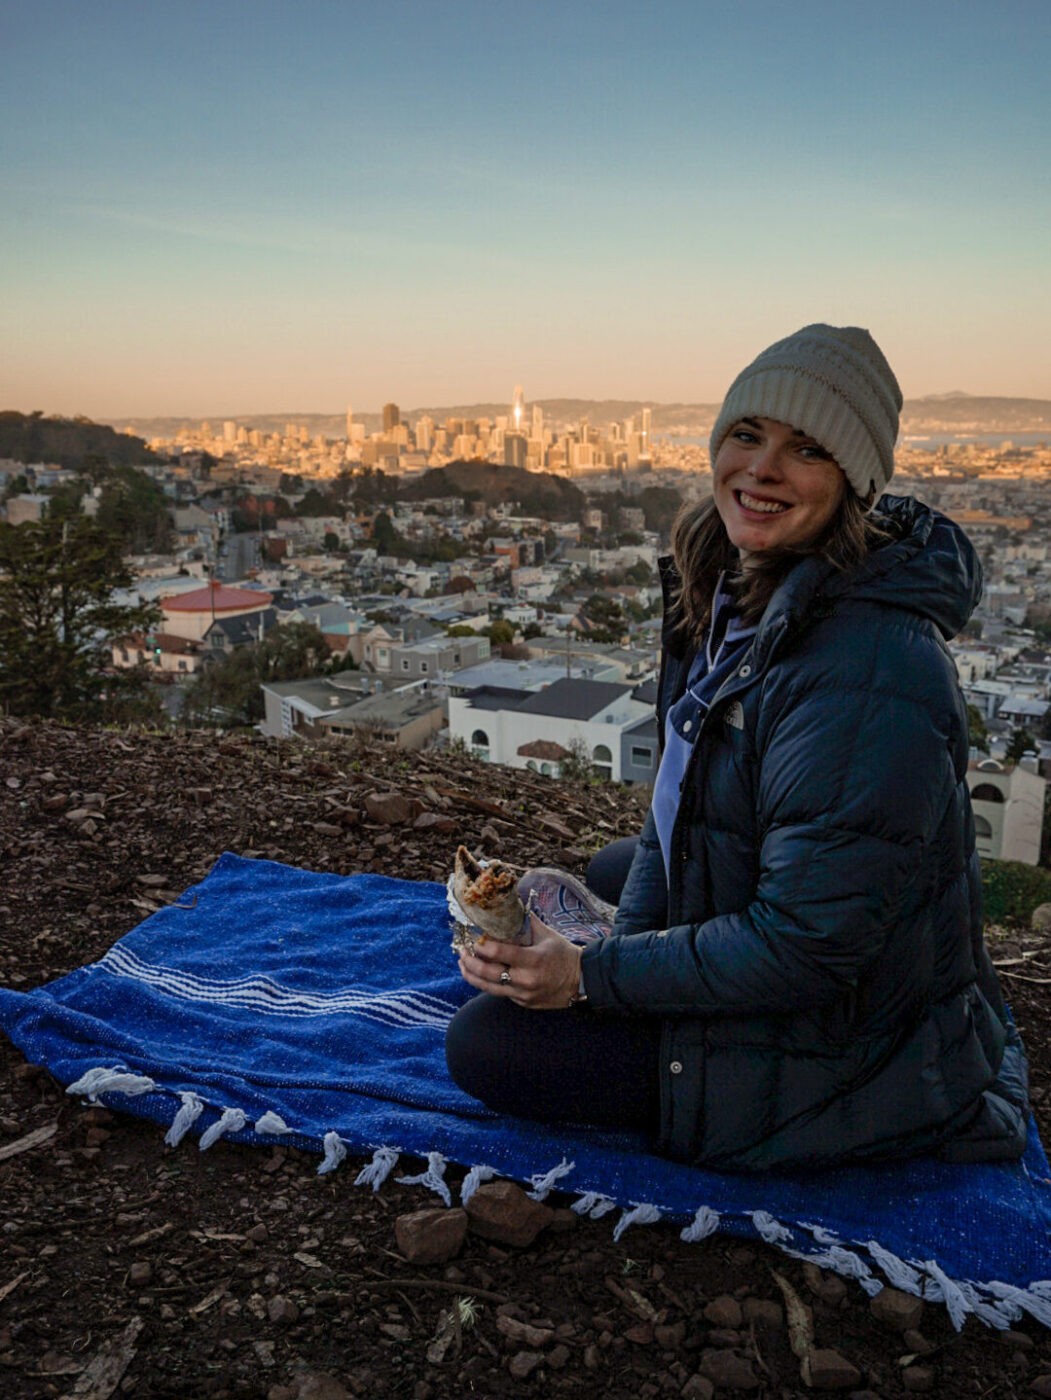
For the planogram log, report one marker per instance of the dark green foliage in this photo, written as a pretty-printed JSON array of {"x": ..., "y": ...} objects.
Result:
[
  {"x": 135, "y": 509},
  {"x": 228, "y": 691},
  {"x": 58, "y": 621},
  {"x": 1022, "y": 742},
  {"x": 532, "y": 493},
  {"x": 977, "y": 734},
  {"x": 67, "y": 442},
  {"x": 1012, "y": 890}
]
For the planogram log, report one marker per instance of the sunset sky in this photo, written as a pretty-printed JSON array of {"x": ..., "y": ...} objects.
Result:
[{"x": 219, "y": 209}]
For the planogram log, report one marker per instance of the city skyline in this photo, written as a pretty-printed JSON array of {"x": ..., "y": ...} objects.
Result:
[{"x": 229, "y": 209}]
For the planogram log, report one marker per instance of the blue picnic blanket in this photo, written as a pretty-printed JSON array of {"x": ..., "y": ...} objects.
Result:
[{"x": 272, "y": 1004}]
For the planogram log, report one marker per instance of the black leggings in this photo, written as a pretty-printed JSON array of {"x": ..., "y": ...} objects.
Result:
[{"x": 577, "y": 1065}]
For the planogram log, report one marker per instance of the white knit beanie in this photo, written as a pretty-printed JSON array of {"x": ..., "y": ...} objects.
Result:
[{"x": 832, "y": 383}]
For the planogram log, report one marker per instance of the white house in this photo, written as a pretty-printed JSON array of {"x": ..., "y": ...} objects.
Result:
[{"x": 1008, "y": 808}]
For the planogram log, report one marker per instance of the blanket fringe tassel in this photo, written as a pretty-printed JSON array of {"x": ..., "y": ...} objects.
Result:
[
  {"x": 704, "y": 1223},
  {"x": 111, "y": 1081},
  {"x": 433, "y": 1177},
  {"x": 185, "y": 1118},
  {"x": 637, "y": 1215},
  {"x": 334, "y": 1154},
  {"x": 384, "y": 1160},
  {"x": 474, "y": 1179},
  {"x": 231, "y": 1120},
  {"x": 544, "y": 1182},
  {"x": 593, "y": 1204},
  {"x": 272, "y": 1124}
]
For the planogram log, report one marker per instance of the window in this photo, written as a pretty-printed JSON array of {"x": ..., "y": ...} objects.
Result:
[
  {"x": 602, "y": 761},
  {"x": 404, "y": 663},
  {"x": 982, "y": 829},
  {"x": 986, "y": 792},
  {"x": 480, "y": 740},
  {"x": 641, "y": 756},
  {"x": 423, "y": 668}
]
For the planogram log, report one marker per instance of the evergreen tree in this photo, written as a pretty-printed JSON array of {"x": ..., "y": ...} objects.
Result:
[{"x": 58, "y": 621}]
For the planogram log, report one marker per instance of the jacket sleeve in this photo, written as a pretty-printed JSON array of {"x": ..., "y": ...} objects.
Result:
[
  {"x": 644, "y": 900},
  {"x": 855, "y": 777}
]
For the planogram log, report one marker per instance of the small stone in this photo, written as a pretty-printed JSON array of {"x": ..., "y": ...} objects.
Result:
[
  {"x": 523, "y": 1364},
  {"x": 1040, "y": 918},
  {"x": 501, "y": 1211},
  {"x": 670, "y": 1336},
  {"x": 830, "y": 1288},
  {"x": 258, "y": 1234},
  {"x": 896, "y": 1309},
  {"x": 391, "y": 808},
  {"x": 281, "y": 1309},
  {"x": 557, "y": 1357},
  {"x": 830, "y": 1371},
  {"x": 434, "y": 821},
  {"x": 280, "y": 1392},
  {"x": 593, "y": 1358},
  {"x": 522, "y": 1333},
  {"x": 697, "y": 1388},
  {"x": 431, "y": 1236},
  {"x": 319, "y": 1385},
  {"x": 140, "y": 1272},
  {"x": 723, "y": 1368},
  {"x": 1041, "y": 1385},
  {"x": 764, "y": 1312},
  {"x": 1020, "y": 1341},
  {"x": 724, "y": 1337},
  {"x": 641, "y": 1334},
  {"x": 918, "y": 1379},
  {"x": 916, "y": 1341},
  {"x": 724, "y": 1311}
]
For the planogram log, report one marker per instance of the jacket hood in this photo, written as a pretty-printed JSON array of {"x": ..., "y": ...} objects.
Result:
[{"x": 928, "y": 567}]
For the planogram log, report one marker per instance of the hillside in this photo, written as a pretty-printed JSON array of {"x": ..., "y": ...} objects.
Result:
[
  {"x": 239, "y": 1271},
  {"x": 537, "y": 493},
  {"x": 68, "y": 442}
]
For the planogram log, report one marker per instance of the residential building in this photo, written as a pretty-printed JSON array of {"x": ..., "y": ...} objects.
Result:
[{"x": 1008, "y": 805}]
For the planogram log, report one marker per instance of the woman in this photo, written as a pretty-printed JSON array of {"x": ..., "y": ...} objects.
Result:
[{"x": 797, "y": 973}]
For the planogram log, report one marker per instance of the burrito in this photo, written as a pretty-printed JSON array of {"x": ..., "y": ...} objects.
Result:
[{"x": 484, "y": 900}]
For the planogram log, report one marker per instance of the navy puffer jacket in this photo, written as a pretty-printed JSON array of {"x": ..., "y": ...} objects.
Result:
[{"x": 817, "y": 955}]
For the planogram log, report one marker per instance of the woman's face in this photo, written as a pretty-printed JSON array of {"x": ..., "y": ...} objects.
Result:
[{"x": 774, "y": 486}]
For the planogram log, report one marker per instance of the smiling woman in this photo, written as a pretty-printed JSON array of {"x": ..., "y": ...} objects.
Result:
[{"x": 796, "y": 973}]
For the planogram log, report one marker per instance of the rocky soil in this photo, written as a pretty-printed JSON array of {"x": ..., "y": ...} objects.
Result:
[{"x": 128, "y": 1268}]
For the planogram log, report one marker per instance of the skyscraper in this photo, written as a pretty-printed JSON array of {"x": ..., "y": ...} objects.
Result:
[
  {"x": 350, "y": 423},
  {"x": 517, "y": 409},
  {"x": 391, "y": 416}
]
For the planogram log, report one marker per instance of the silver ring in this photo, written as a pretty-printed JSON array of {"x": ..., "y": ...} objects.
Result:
[{"x": 505, "y": 977}]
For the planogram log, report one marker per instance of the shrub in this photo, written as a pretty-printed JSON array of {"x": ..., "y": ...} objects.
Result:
[{"x": 1011, "y": 890}]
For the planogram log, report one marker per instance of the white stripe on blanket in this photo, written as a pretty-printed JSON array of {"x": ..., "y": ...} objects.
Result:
[{"x": 259, "y": 993}]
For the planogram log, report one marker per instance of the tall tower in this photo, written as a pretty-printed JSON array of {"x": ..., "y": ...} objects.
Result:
[
  {"x": 644, "y": 445},
  {"x": 517, "y": 409},
  {"x": 391, "y": 416},
  {"x": 350, "y": 423}
]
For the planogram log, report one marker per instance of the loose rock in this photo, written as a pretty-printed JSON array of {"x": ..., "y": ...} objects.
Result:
[
  {"x": 896, "y": 1309},
  {"x": 501, "y": 1211},
  {"x": 431, "y": 1236},
  {"x": 830, "y": 1371}
]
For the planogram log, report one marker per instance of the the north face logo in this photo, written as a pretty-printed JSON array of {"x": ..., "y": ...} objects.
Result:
[{"x": 735, "y": 715}]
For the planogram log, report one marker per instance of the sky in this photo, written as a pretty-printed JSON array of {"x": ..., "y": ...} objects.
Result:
[{"x": 219, "y": 209}]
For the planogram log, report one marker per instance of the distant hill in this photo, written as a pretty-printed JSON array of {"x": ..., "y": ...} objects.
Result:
[
  {"x": 67, "y": 442},
  {"x": 953, "y": 412},
  {"x": 535, "y": 493}
]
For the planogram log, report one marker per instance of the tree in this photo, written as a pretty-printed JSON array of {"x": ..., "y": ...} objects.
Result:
[
  {"x": 58, "y": 621},
  {"x": 228, "y": 691},
  {"x": 1021, "y": 743},
  {"x": 500, "y": 633},
  {"x": 134, "y": 508},
  {"x": 977, "y": 734}
]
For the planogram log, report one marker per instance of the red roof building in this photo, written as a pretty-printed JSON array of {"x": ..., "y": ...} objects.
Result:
[{"x": 191, "y": 614}]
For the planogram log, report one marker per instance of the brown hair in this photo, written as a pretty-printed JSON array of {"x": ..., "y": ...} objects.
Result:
[{"x": 702, "y": 551}]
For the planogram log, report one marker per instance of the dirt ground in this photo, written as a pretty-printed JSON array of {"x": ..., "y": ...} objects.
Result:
[{"x": 130, "y": 1268}]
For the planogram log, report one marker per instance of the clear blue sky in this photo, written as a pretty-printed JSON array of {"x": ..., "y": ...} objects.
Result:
[{"x": 222, "y": 208}]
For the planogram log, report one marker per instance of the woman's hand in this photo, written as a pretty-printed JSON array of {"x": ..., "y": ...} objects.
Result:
[{"x": 544, "y": 976}]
